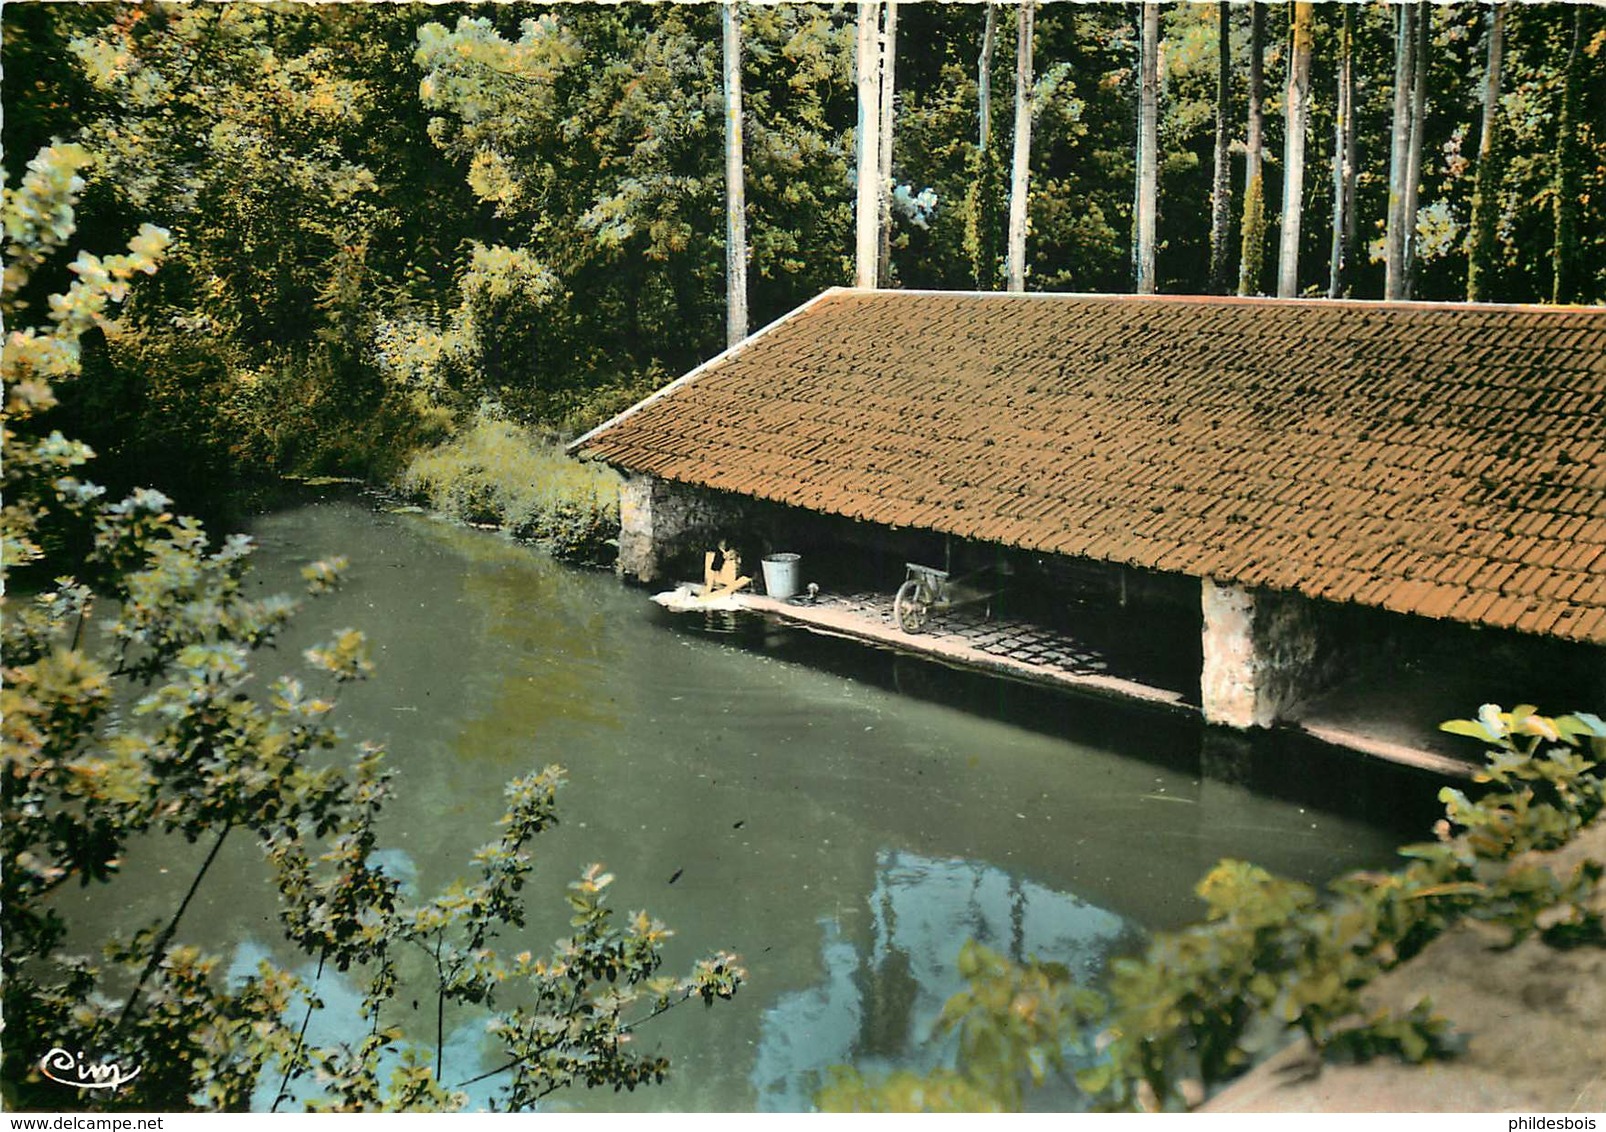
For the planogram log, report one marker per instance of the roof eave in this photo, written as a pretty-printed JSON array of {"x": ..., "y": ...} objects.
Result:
[
  {"x": 1238, "y": 300},
  {"x": 577, "y": 446}
]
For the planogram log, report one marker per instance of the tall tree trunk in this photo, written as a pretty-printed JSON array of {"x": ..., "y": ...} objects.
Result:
[
  {"x": 1481, "y": 238},
  {"x": 1020, "y": 173},
  {"x": 1148, "y": 186},
  {"x": 1352, "y": 220},
  {"x": 1565, "y": 282},
  {"x": 735, "y": 187},
  {"x": 889, "y": 54},
  {"x": 984, "y": 79},
  {"x": 1253, "y": 256},
  {"x": 867, "y": 205},
  {"x": 1419, "y": 121},
  {"x": 1298, "y": 115},
  {"x": 983, "y": 192},
  {"x": 1220, "y": 185},
  {"x": 1343, "y": 159},
  {"x": 1394, "y": 262}
]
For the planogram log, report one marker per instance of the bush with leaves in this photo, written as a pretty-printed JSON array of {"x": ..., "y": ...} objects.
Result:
[
  {"x": 1273, "y": 959},
  {"x": 131, "y": 713},
  {"x": 499, "y": 473},
  {"x": 285, "y": 149}
]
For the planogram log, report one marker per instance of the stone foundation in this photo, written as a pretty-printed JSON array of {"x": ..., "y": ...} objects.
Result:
[{"x": 1263, "y": 655}]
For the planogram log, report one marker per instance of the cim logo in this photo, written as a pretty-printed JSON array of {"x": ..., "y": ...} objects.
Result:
[{"x": 73, "y": 1071}]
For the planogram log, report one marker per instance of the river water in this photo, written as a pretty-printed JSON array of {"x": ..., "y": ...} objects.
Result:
[{"x": 843, "y": 818}]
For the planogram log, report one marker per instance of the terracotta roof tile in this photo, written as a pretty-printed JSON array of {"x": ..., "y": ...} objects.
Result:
[{"x": 1446, "y": 461}]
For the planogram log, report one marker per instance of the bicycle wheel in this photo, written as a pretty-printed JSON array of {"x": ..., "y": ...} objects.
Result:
[{"x": 911, "y": 606}]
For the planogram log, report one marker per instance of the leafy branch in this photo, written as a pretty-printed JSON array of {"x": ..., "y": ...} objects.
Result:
[{"x": 157, "y": 726}]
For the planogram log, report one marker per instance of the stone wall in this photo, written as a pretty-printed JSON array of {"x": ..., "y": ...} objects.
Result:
[
  {"x": 1263, "y": 655},
  {"x": 665, "y": 527}
]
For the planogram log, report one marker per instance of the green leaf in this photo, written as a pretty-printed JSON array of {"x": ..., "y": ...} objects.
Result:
[{"x": 1468, "y": 727}]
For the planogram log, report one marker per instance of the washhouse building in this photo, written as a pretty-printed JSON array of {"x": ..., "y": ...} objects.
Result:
[{"x": 1276, "y": 492}]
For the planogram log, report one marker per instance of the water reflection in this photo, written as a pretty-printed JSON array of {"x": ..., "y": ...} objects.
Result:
[
  {"x": 339, "y": 1022},
  {"x": 880, "y": 996},
  {"x": 887, "y": 966},
  {"x": 840, "y": 817}
]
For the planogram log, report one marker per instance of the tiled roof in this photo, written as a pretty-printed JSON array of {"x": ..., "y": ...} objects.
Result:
[{"x": 1447, "y": 461}]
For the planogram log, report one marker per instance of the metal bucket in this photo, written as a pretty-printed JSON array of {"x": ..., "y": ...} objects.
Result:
[{"x": 780, "y": 574}]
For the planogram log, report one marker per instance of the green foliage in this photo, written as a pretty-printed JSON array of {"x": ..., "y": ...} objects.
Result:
[
  {"x": 983, "y": 230},
  {"x": 283, "y": 148},
  {"x": 500, "y": 474},
  {"x": 383, "y": 215},
  {"x": 39, "y": 218},
  {"x": 1551, "y": 142},
  {"x": 594, "y": 136},
  {"x": 1273, "y": 958},
  {"x": 941, "y": 1090},
  {"x": 1252, "y": 263},
  {"x": 132, "y": 715}
]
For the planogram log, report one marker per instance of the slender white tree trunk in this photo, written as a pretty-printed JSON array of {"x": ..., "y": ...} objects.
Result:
[
  {"x": 1343, "y": 163},
  {"x": 1221, "y": 181},
  {"x": 1020, "y": 174},
  {"x": 867, "y": 211},
  {"x": 1343, "y": 171},
  {"x": 1419, "y": 119},
  {"x": 889, "y": 56},
  {"x": 1148, "y": 184},
  {"x": 735, "y": 187},
  {"x": 984, "y": 79},
  {"x": 1486, "y": 182},
  {"x": 1298, "y": 114},
  {"x": 1394, "y": 264}
]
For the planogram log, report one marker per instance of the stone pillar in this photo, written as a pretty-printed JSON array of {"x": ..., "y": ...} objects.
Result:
[
  {"x": 638, "y": 557},
  {"x": 1262, "y": 655}
]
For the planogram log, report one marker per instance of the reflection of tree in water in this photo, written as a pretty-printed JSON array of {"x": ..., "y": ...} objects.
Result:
[
  {"x": 889, "y": 987},
  {"x": 880, "y": 996},
  {"x": 889, "y": 990}
]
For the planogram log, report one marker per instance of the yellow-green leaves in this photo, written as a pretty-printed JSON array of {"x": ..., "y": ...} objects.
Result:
[
  {"x": 324, "y": 575},
  {"x": 345, "y": 656},
  {"x": 38, "y": 214}
]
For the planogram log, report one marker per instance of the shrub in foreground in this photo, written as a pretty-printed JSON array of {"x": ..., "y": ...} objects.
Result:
[
  {"x": 132, "y": 716},
  {"x": 1275, "y": 959}
]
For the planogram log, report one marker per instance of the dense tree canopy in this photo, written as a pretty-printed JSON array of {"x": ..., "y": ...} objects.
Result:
[{"x": 387, "y": 216}]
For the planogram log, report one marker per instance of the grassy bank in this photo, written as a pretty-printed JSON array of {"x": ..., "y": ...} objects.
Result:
[{"x": 499, "y": 473}]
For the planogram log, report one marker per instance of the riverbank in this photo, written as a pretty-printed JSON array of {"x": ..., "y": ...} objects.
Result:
[
  {"x": 499, "y": 474},
  {"x": 1531, "y": 1015}
]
